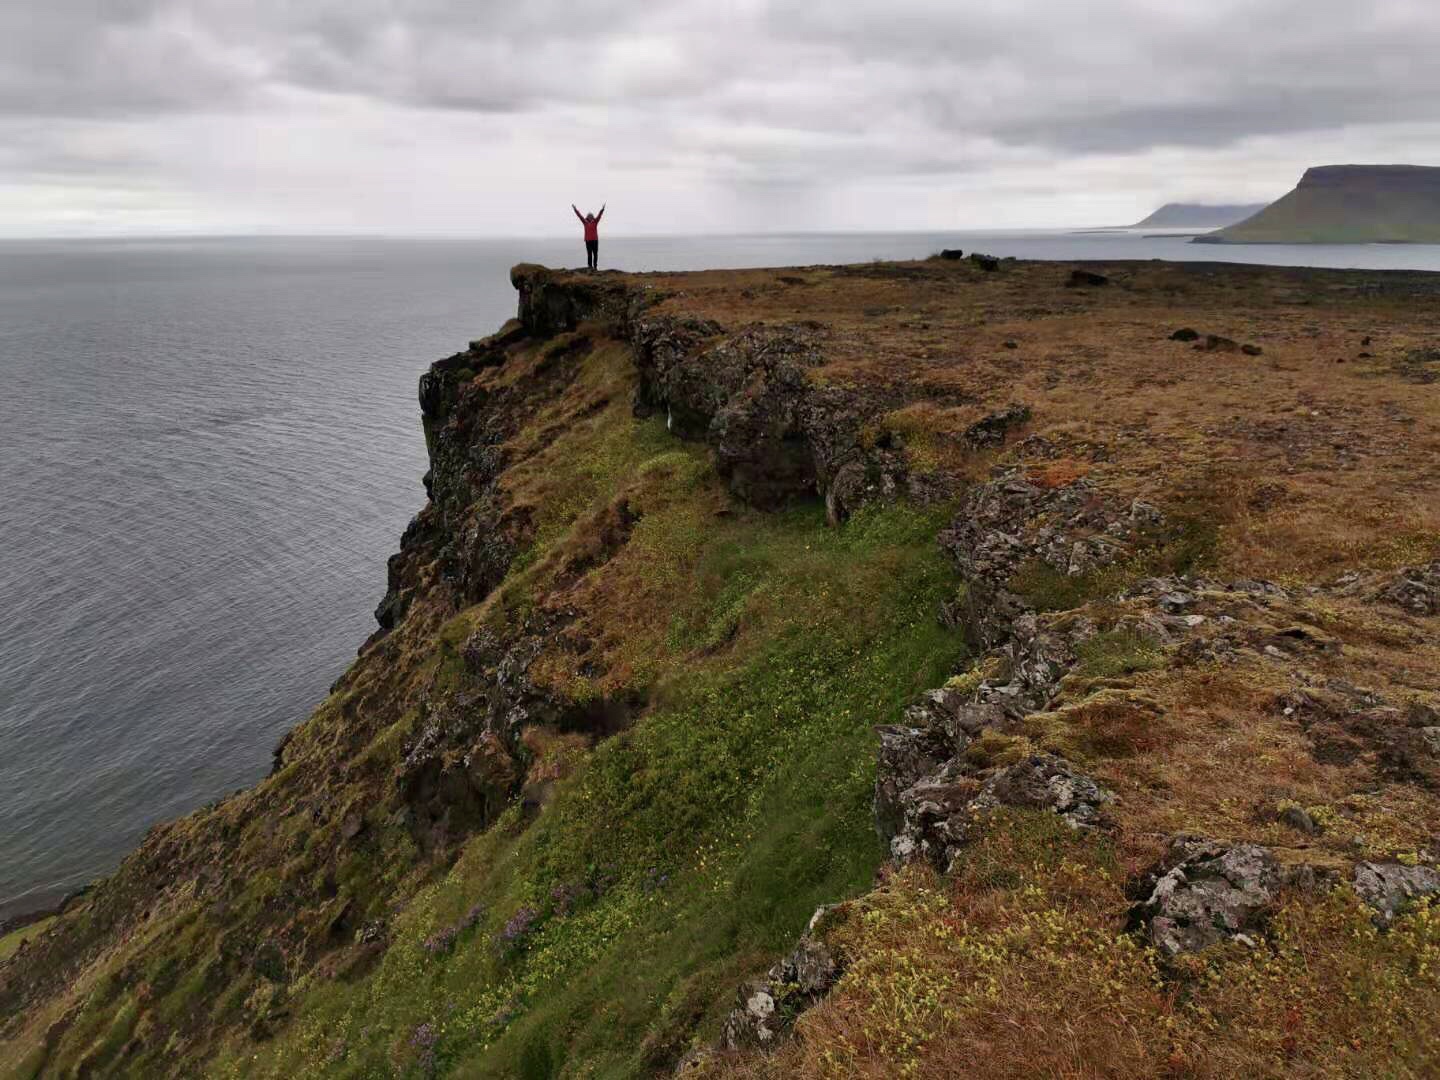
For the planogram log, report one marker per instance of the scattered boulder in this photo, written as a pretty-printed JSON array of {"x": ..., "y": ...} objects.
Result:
[
  {"x": 1211, "y": 892},
  {"x": 1185, "y": 333},
  {"x": 1389, "y": 887},
  {"x": 1216, "y": 343},
  {"x": 952, "y": 253},
  {"x": 987, "y": 263},
  {"x": 1085, "y": 279},
  {"x": 1251, "y": 350}
]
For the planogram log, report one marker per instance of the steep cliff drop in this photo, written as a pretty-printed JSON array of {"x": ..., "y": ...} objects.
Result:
[
  {"x": 1347, "y": 204},
  {"x": 845, "y": 671}
]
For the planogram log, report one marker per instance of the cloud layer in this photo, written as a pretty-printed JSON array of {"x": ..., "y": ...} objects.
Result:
[{"x": 477, "y": 116}]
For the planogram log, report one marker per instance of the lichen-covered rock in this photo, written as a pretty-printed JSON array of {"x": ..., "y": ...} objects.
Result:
[
  {"x": 1211, "y": 892},
  {"x": 1415, "y": 588},
  {"x": 907, "y": 755},
  {"x": 1389, "y": 887},
  {"x": 1045, "y": 782},
  {"x": 778, "y": 434},
  {"x": 466, "y": 760},
  {"x": 943, "y": 811},
  {"x": 1013, "y": 523},
  {"x": 769, "y": 1005},
  {"x": 992, "y": 429}
]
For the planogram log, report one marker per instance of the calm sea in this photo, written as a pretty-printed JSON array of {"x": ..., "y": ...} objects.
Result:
[{"x": 207, "y": 450}]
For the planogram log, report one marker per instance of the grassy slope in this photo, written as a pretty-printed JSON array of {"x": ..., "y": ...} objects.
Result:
[{"x": 681, "y": 854}]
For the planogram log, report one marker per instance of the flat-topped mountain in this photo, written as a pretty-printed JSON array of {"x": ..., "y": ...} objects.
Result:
[
  {"x": 1348, "y": 204},
  {"x": 1177, "y": 215}
]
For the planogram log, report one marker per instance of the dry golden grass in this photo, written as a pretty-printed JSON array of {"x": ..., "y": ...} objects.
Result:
[{"x": 1019, "y": 966}]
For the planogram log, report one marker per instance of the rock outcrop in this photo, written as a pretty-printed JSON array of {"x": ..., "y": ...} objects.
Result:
[
  {"x": 768, "y": 1006},
  {"x": 1208, "y": 893},
  {"x": 1389, "y": 887}
]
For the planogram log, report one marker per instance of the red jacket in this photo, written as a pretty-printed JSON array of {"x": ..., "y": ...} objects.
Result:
[{"x": 592, "y": 224}]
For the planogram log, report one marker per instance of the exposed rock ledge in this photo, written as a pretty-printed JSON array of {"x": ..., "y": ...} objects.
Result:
[{"x": 779, "y": 435}]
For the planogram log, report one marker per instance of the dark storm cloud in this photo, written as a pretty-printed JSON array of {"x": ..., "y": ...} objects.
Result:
[
  {"x": 754, "y": 94},
  {"x": 1098, "y": 76}
]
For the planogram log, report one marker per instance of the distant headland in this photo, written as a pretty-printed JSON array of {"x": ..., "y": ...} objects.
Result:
[
  {"x": 1198, "y": 216},
  {"x": 1347, "y": 204}
]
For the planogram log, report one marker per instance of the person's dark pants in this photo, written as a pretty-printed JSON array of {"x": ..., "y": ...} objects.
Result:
[{"x": 592, "y": 254}]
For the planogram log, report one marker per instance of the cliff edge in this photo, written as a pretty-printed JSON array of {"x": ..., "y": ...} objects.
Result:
[{"x": 845, "y": 671}]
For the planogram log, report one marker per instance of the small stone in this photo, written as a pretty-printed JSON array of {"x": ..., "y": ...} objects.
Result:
[
  {"x": 1185, "y": 333},
  {"x": 1251, "y": 350}
]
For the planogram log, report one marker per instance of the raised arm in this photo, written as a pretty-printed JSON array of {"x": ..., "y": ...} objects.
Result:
[
  {"x": 600, "y": 214},
  {"x": 577, "y": 212}
]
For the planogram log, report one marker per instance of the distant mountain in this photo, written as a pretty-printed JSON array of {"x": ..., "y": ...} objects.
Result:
[
  {"x": 1178, "y": 215},
  {"x": 1348, "y": 204}
]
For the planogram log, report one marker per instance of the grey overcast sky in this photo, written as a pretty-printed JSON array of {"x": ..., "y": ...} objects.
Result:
[{"x": 475, "y": 117}]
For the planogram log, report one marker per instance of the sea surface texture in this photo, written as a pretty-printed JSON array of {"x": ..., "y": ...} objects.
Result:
[{"x": 207, "y": 450}]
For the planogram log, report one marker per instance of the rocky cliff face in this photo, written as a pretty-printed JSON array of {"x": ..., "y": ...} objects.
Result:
[
  {"x": 845, "y": 671},
  {"x": 1348, "y": 204}
]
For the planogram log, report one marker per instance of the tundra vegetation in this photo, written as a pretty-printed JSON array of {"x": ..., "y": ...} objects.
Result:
[{"x": 1148, "y": 629}]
